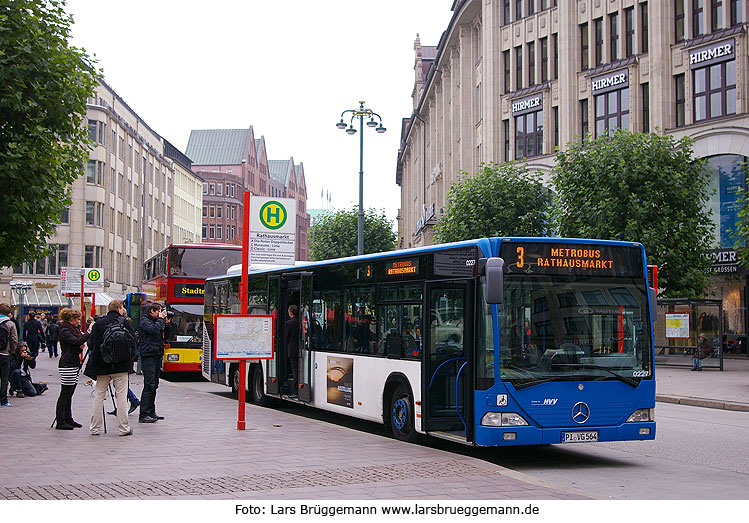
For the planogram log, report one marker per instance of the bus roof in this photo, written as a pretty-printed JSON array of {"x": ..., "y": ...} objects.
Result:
[{"x": 487, "y": 245}]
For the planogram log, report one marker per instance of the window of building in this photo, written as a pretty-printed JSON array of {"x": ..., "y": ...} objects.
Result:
[
  {"x": 555, "y": 46},
  {"x": 598, "y": 28},
  {"x": 529, "y": 134},
  {"x": 506, "y": 60},
  {"x": 211, "y": 232},
  {"x": 583, "y": 47},
  {"x": 506, "y": 128},
  {"x": 65, "y": 216},
  {"x": 644, "y": 27},
  {"x": 518, "y": 67},
  {"x": 94, "y": 171},
  {"x": 506, "y": 18},
  {"x": 219, "y": 211},
  {"x": 232, "y": 190},
  {"x": 584, "y": 122},
  {"x": 219, "y": 189},
  {"x": 62, "y": 256},
  {"x": 92, "y": 256},
  {"x": 205, "y": 231},
  {"x": 544, "y": 4},
  {"x": 518, "y": 9},
  {"x": 646, "y": 108},
  {"x": 92, "y": 129},
  {"x": 629, "y": 32},
  {"x": 532, "y": 63},
  {"x": 736, "y": 17},
  {"x": 219, "y": 232},
  {"x": 544, "y": 59},
  {"x": 681, "y": 101},
  {"x": 715, "y": 90},
  {"x": 211, "y": 211},
  {"x": 556, "y": 126},
  {"x": 716, "y": 14},
  {"x": 531, "y": 7},
  {"x": 678, "y": 20},
  {"x": 612, "y": 111},
  {"x": 614, "y": 36},
  {"x": 211, "y": 188},
  {"x": 205, "y": 211},
  {"x": 698, "y": 18},
  {"x": 205, "y": 187},
  {"x": 94, "y": 211}
]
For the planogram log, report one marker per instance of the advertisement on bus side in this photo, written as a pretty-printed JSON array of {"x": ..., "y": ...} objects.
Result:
[{"x": 341, "y": 381}]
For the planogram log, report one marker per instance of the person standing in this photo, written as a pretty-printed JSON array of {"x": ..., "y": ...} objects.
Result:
[
  {"x": 104, "y": 372},
  {"x": 71, "y": 346},
  {"x": 151, "y": 352},
  {"x": 704, "y": 348},
  {"x": 291, "y": 342},
  {"x": 53, "y": 336},
  {"x": 8, "y": 342},
  {"x": 33, "y": 334}
]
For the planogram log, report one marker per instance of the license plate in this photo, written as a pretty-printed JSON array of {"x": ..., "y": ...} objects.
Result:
[{"x": 580, "y": 437}]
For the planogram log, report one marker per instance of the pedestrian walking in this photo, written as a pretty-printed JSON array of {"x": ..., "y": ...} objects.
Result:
[
  {"x": 107, "y": 364},
  {"x": 72, "y": 342},
  {"x": 33, "y": 334},
  {"x": 704, "y": 348},
  {"x": 8, "y": 342},
  {"x": 52, "y": 333}
]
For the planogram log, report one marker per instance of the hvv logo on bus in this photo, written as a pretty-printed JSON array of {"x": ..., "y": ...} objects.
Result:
[{"x": 546, "y": 401}]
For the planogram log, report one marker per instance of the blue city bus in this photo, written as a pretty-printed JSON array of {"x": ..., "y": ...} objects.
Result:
[
  {"x": 487, "y": 342},
  {"x": 134, "y": 302}
]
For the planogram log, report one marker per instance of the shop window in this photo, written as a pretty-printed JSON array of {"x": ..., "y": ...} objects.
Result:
[
  {"x": 529, "y": 134},
  {"x": 612, "y": 111},
  {"x": 715, "y": 90}
]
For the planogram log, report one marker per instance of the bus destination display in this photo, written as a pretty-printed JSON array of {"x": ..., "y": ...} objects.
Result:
[
  {"x": 408, "y": 267},
  {"x": 189, "y": 290},
  {"x": 578, "y": 259}
]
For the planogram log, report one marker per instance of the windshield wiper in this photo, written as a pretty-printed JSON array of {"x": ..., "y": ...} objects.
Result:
[
  {"x": 624, "y": 379},
  {"x": 531, "y": 383}
]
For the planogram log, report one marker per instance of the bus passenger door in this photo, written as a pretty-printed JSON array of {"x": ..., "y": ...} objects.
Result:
[
  {"x": 305, "y": 354},
  {"x": 271, "y": 374},
  {"x": 447, "y": 366}
]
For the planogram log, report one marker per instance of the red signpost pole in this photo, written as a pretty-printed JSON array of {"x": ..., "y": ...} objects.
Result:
[
  {"x": 83, "y": 305},
  {"x": 243, "y": 302}
]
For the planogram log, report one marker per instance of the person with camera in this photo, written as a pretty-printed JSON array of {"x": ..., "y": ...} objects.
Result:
[
  {"x": 110, "y": 360},
  {"x": 21, "y": 364},
  {"x": 151, "y": 351},
  {"x": 72, "y": 342}
]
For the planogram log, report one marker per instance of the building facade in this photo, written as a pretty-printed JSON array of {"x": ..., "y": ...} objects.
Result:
[
  {"x": 188, "y": 197},
  {"x": 515, "y": 79},
  {"x": 122, "y": 209},
  {"x": 231, "y": 161}
]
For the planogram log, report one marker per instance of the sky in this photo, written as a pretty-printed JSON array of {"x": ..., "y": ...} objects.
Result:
[{"x": 288, "y": 68}]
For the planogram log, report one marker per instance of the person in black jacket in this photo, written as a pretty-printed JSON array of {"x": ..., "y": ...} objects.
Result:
[
  {"x": 53, "y": 336},
  {"x": 104, "y": 373},
  {"x": 291, "y": 342},
  {"x": 71, "y": 347},
  {"x": 21, "y": 364},
  {"x": 151, "y": 351},
  {"x": 33, "y": 334}
]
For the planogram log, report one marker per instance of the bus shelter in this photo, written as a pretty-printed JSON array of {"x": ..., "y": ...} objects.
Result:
[{"x": 678, "y": 327}]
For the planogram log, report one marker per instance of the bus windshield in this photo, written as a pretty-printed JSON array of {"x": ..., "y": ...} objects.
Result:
[
  {"x": 187, "y": 323},
  {"x": 202, "y": 262},
  {"x": 570, "y": 327}
]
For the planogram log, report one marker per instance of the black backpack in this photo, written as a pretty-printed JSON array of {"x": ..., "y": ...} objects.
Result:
[
  {"x": 4, "y": 335},
  {"x": 118, "y": 344}
]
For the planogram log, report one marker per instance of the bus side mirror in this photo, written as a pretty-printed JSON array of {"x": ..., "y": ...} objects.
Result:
[
  {"x": 653, "y": 304},
  {"x": 494, "y": 280}
]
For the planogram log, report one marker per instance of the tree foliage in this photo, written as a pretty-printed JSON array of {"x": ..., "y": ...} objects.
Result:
[
  {"x": 44, "y": 83},
  {"x": 741, "y": 231},
  {"x": 501, "y": 200},
  {"x": 335, "y": 235},
  {"x": 645, "y": 188}
]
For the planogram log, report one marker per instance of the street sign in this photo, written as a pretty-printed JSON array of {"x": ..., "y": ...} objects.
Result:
[
  {"x": 272, "y": 230},
  {"x": 70, "y": 280}
]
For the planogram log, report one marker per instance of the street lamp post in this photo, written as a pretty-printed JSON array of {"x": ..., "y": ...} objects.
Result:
[
  {"x": 361, "y": 113},
  {"x": 21, "y": 287}
]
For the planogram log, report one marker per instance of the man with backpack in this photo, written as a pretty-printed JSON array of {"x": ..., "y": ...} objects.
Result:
[
  {"x": 113, "y": 347},
  {"x": 8, "y": 341},
  {"x": 53, "y": 335}
]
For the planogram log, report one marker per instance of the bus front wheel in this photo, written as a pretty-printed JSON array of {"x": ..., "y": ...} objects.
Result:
[
  {"x": 258, "y": 387},
  {"x": 234, "y": 380},
  {"x": 402, "y": 415}
]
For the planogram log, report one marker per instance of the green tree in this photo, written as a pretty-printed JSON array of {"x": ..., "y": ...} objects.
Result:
[
  {"x": 335, "y": 234},
  {"x": 741, "y": 231},
  {"x": 645, "y": 188},
  {"x": 501, "y": 200},
  {"x": 44, "y": 83}
]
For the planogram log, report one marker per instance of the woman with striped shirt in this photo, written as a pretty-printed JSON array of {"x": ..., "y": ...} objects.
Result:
[{"x": 71, "y": 346}]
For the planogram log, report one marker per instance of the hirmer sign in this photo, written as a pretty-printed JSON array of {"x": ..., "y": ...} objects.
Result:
[{"x": 713, "y": 54}]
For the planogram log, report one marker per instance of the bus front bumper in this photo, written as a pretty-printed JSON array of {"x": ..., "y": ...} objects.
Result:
[{"x": 529, "y": 435}]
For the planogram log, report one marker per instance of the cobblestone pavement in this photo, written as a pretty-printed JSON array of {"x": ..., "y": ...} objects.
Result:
[{"x": 197, "y": 453}]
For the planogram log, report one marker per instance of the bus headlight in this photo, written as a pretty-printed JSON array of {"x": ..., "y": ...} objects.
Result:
[
  {"x": 641, "y": 415},
  {"x": 503, "y": 419},
  {"x": 172, "y": 357}
]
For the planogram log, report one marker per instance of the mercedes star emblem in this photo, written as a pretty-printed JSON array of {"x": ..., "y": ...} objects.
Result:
[{"x": 580, "y": 412}]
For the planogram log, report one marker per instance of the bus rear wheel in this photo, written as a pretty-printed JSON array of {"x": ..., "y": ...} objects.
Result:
[
  {"x": 234, "y": 380},
  {"x": 258, "y": 387},
  {"x": 402, "y": 415}
]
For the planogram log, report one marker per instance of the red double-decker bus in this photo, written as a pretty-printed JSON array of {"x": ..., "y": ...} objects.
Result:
[{"x": 175, "y": 278}]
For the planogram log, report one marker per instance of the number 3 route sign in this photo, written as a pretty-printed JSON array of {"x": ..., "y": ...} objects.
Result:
[{"x": 272, "y": 230}]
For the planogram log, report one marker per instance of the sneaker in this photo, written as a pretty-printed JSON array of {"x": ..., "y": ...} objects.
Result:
[
  {"x": 147, "y": 419},
  {"x": 158, "y": 417},
  {"x": 133, "y": 405},
  {"x": 7, "y": 404},
  {"x": 128, "y": 433}
]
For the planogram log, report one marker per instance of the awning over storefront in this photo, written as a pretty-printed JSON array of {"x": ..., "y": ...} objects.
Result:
[
  {"x": 103, "y": 299},
  {"x": 42, "y": 298}
]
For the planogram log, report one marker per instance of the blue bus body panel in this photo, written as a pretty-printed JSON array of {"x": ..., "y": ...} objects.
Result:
[{"x": 548, "y": 409}]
